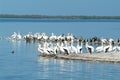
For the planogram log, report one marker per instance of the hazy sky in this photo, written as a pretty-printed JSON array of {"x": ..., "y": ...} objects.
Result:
[{"x": 60, "y": 7}]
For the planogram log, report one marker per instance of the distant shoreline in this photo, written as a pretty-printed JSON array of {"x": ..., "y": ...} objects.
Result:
[{"x": 72, "y": 17}]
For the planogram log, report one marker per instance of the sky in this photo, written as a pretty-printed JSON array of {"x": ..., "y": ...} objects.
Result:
[{"x": 61, "y": 7}]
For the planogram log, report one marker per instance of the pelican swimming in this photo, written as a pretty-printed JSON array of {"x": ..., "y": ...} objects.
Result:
[
  {"x": 19, "y": 37},
  {"x": 14, "y": 36},
  {"x": 29, "y": 36},
  {"x": 40, "y": 49}
]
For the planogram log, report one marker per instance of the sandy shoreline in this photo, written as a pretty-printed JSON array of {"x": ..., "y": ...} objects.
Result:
[{"x": 104, "y": 57}]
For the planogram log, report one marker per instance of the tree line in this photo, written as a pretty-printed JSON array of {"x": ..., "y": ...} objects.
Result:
[{"x": 57, "y": 17}]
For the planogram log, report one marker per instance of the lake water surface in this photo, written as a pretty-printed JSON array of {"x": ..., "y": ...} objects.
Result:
[{"x": 26, "y": 64}]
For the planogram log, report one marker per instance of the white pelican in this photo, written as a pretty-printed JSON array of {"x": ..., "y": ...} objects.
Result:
[
  {"x": 101, "y": 48},
  {"x": 19, "y": 37},
  {"x": 72, "y": 48},
  {"x": 39, "y": 37},
  {"x": 106, "y": 48},
  {"x": 118, "y": 48},
  {"x": 90, "y": 49},
  {"x": 111, "y": 41},
  {"x": 40, "y": 49},
  {"x": 29, "y": 36},
  {"x": 14, "y": 36},
  {"x": 45, "y": 49},
  {"x": 35, "y": 36},
  {"x": 79, "y": 47},
  {"x": 118, "y": 45},
  {"x": 109, "y": 48},
  {"x": 45, "y": 37},
  {"x": 65, "y": 47},
  {"x": 56, "y": 49},
  {"x": 53, "y": 37},
  {"x": 62, "y": 49}
]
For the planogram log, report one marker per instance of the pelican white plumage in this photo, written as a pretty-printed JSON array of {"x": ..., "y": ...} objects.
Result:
[
  {"x": 68, "y": 36},
  {"x": 45, "y": 37},
  {"x": 109, "y": 48},
  {"x": 118, "y": 48},
  {"x": 79, "y": 47},
  {"x": 111, "y": 41},
  {"x": 72, "y": 48},
  {"x": 40, "y": 49},
  {"x": 19, "y": 37},
  {"x": 29, "y": 36},
  {"x": 101, "y": 48},
  {"x": 65, "y": 47},
  {"x": 14, "y": 36},
  {"x": 46, "y": 49},
  {"x": 61, "y": 49},
  {"x": 56, "y": 49},
  {"x": 106, "y": 48},
  {"x": 89, "y": 48},
  {"x": 53, "y": 37},
  {"x": 35, "y": 36},
  {"x": 39, "y": 37}
]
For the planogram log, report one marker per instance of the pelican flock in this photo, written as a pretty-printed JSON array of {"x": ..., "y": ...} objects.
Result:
[{"x": 68, "y": 44}]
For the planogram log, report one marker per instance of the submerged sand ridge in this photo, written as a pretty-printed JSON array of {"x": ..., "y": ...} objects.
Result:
[
  {"x": 104, "y": 57},
  {"x": 109, "y": 57}
]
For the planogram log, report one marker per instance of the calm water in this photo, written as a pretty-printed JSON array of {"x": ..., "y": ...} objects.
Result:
[{"x": 26, "y": 64}]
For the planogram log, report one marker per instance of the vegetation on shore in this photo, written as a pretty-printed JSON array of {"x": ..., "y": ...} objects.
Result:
[{"x": 58, "y": 17}]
